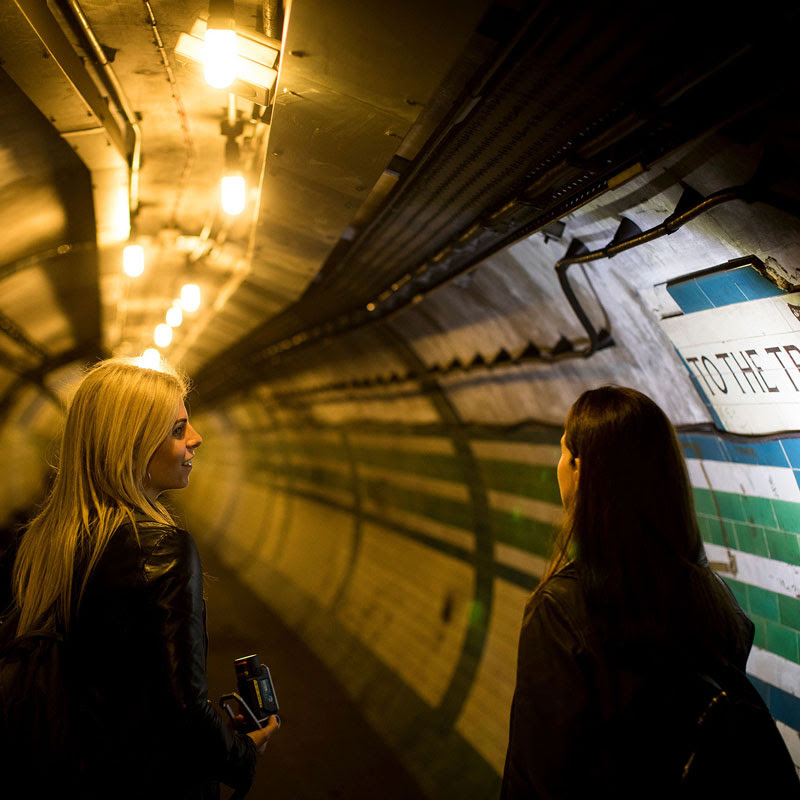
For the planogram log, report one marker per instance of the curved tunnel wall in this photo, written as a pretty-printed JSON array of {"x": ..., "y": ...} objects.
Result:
[{"x": 398, "y": 508}]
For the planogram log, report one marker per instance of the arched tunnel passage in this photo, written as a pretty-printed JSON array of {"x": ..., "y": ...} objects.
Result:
[{"x": 385, "y": 353}]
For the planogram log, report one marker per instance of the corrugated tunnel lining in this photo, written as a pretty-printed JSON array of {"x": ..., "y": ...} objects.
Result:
[
  {"x": 44, "y": 178},
  {"x": 554, "y": 125}
]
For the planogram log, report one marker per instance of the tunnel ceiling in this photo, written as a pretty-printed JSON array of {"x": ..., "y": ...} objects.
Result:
[{"x": 402, "y": 145}]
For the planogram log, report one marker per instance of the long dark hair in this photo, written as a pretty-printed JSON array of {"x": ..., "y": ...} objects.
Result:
[{"x": 631, "y": 528}]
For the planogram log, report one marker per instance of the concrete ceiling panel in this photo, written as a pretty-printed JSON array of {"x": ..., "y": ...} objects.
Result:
[
  {"x": 29, "y": 299},
  {"x": 353, "y": 79},
  {"x": 389, "y": 56},
  {"x": 332, "y": 138},
  {"x": 27, "y": 60}
]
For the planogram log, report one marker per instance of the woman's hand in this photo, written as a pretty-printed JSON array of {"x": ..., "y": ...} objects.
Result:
[{"x": 263, "y": 735}]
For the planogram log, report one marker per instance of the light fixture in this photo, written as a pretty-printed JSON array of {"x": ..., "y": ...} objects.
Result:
[
  {"x": 219, "y": 59},
  {"x": 233, "y": 190},
  {"x": 190, "y": 297},
  {"x": 150, "y": 359},
  {"x": 162, "y": 335},
  {"x": 133, "y": 260},
  {"x": 256, "y": 62},
  {"x": 174, "y": 317}
]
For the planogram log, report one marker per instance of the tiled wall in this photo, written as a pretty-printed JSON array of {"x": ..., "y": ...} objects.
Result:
[
  {"x": 748, "y": 505},
  {"x": 375, "y": 551},
  {"x": 747, "y": 498},
  {"x": 410, "y": 583}
]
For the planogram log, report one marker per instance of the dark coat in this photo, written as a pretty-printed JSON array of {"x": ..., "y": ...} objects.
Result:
[
  {"x": 584, "y": 724},
  {"x": 137, "y": 650}
]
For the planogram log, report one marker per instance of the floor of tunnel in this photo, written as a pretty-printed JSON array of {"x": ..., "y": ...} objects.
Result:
[{"x": 325, "y": 750}]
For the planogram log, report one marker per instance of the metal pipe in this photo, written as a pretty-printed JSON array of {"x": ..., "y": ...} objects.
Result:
[
  {"x": 50, "y": 33},
  {"x": 120, "y": 99},
  {"x": 670, "y": 225},
  {"x": 272, "y": 14},
  {"x": 184, "y": 117}
]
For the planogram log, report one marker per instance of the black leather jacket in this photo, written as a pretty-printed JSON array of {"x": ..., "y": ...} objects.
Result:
[
  {"x": 138, "y": 650},
  {"x": 582, "y": 724}
]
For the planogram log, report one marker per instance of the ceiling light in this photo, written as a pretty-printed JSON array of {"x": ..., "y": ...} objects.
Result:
[
  {"x": 150, "y": 359},
  {"x": 233, "y": 193},
  {"x": 190, "y": 297},
  {"x": 133, "y": 260},
  {"x": 174, "y": 317},
  {"x": 162, "y": 335},
  {"x": 219, "y": 60},
  {"x": 256, "y": 62},
  {"x": 233, "y": 188}
]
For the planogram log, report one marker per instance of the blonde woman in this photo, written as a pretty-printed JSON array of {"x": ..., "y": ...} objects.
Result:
[{"x": 105, "y": 562}]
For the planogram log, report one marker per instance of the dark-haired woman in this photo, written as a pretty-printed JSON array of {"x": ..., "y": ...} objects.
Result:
[{"x": 628, "y": 604}]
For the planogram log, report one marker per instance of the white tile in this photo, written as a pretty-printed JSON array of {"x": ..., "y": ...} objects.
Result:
[
  {"x": 417, "y": 483},
  {"x": 527, "y": 506},
  {"x": 792, "y": 739},
  {"x": 775, "y": 483},
  {"x": 545, "y": 455},
  {"x": 520, "y": 559},
  {"x": 775, "y": 670},
  {"x": 767, "y": 573}
]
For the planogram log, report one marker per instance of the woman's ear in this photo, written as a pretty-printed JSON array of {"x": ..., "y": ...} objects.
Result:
[{"x": 577, "y": 466}]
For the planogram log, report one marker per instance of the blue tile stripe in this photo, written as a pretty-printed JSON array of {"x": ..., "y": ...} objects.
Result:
[
  {"x": 780, "y": 452},
  {"x": 689, "y": 297},
  {"x": 701, "y": 393},
  {"x": 783, "y": 706},
  {"x": 722, "y": 288}
]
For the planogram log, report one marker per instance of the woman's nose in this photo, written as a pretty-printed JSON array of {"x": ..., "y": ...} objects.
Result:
[{"x": 194, "y": 438}]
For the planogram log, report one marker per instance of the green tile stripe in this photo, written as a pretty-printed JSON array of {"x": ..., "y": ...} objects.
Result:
[
  {"x": 512, "y": 528},
  {"x": 764, "y": 542},
  {"x": 755, "y": 525},
  {"x": 776, "y": 617},
  {"x": 322, "y": 450},
  {"x": 524, "y": 533},
  {"x": 512, "y": 477},
  {"x": 776, "y": 638},
  {"x": 419, "y": 536},
  {"x": 507, "y": 573},
  {"x": 320, "y": 475},
  {"x": 432, "y": 465},
  {"x": 782, "y": 515},
  {"x": 525, "y": 480},
  {"x": 526, "y": 433},
  {"x": 435, "y": 507}
]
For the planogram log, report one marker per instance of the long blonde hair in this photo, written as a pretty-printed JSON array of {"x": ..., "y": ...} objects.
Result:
[{"x": 120, "y": 414}]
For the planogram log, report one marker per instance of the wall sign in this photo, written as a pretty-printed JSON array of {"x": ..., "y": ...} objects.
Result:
[{"x": 745, "y": 358}]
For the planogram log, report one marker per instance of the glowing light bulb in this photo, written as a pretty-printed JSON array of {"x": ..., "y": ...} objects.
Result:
[
  {"x": 219, "y": 59},
  {"x": 162, "y": 335},
  {"x": 233, "y": 194},
  {"x": 151, "y": 359},
  {"x": 174, "y": 317},
  {"x": 190, "y": 297},
  {"x": 133, "y": 260}
]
